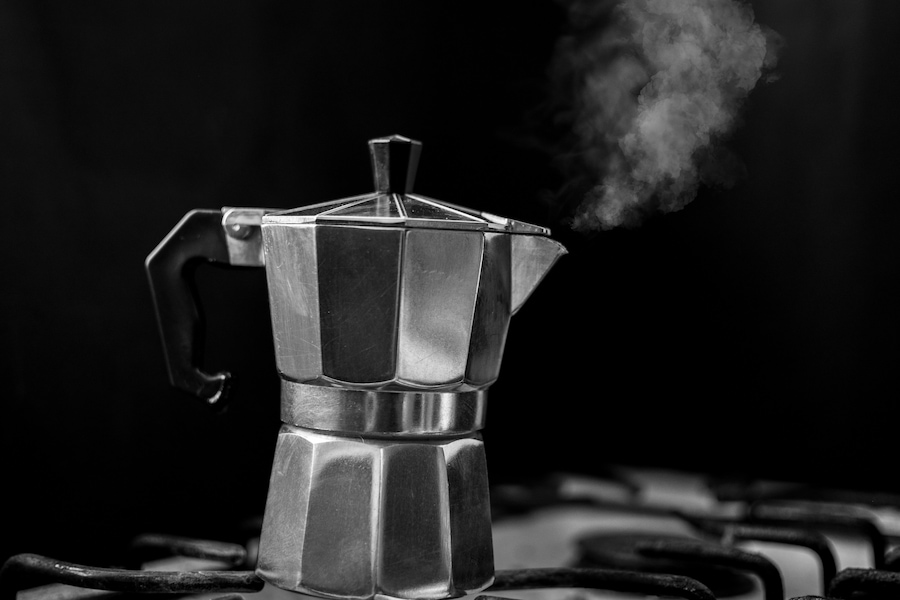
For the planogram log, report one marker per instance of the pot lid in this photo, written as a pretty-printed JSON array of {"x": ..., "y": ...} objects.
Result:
[{"x": 394, "y": 162}]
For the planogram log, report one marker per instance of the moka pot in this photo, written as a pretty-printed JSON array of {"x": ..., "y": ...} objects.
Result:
[{"x": 389, "y": 315}]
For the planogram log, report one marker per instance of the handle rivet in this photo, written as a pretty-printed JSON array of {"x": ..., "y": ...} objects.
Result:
[{"x": 238, "y": 231}]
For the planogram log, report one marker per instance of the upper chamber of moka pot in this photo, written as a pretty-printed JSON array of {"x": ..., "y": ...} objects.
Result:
[{"x": 396, "y": 291}]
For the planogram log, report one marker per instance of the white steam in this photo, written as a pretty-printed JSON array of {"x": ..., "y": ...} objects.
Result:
[{"x": 657, "y": 88}]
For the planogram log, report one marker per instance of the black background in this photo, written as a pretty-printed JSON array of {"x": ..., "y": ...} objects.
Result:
[{"x": 754, "y": 333}]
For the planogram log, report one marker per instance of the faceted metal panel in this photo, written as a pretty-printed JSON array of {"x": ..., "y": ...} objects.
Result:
[
  {"x": 419, "y": 207},
  {"x": 292, "y": 275},
  {"x": 470, "y": 515},
  {"x": 359, "y": 277},
  {"x": 355, "y": 518},
  {"x": 492, "y": 311},
  {"x": 309, "y": 212},
  {"x": 414, "y": 552},
  {"x": 285, "y": 517},
  {"x": 441, "y": 272},
  {"x": 379, "y": 207},
  {"x": 342, "y": 484}
]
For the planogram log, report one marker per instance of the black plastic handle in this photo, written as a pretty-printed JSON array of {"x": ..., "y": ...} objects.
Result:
[{"x": 198, "y": 237}]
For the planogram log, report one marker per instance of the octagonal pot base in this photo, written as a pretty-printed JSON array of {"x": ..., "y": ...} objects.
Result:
[{"x": 350, "y": 517}]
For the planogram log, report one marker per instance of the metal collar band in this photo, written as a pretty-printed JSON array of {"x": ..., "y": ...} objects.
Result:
[{"x": 382, "y": 413}]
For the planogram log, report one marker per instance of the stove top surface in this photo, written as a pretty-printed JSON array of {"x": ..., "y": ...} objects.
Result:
[{"x": 741, "y": 540}]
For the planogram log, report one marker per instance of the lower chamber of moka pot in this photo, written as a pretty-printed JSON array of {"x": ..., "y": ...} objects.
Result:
[{"x": 359, "y": 517}]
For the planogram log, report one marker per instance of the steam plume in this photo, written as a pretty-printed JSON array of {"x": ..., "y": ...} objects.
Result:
[{"x": 658, "y": 85}]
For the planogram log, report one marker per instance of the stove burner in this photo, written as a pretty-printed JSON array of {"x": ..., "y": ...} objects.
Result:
[{"x": 636, "y": 551}]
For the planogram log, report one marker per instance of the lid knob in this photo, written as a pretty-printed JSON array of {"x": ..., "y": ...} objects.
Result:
[{"x": 394, "y": 162}]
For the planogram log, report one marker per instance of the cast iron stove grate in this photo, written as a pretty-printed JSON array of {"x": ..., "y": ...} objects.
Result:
[
  {"x": 43, "y": 578},
  {"x": 36, "y": 577}
]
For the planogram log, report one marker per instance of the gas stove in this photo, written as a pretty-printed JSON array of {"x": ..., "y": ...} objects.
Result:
[{"x": 627, "y": 533}]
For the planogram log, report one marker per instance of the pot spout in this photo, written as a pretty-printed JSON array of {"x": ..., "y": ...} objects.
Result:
[{"x": 532, "y": 257}]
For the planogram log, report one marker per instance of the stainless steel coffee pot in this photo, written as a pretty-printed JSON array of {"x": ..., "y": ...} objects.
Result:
[{"x": 389, "y": 315}]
